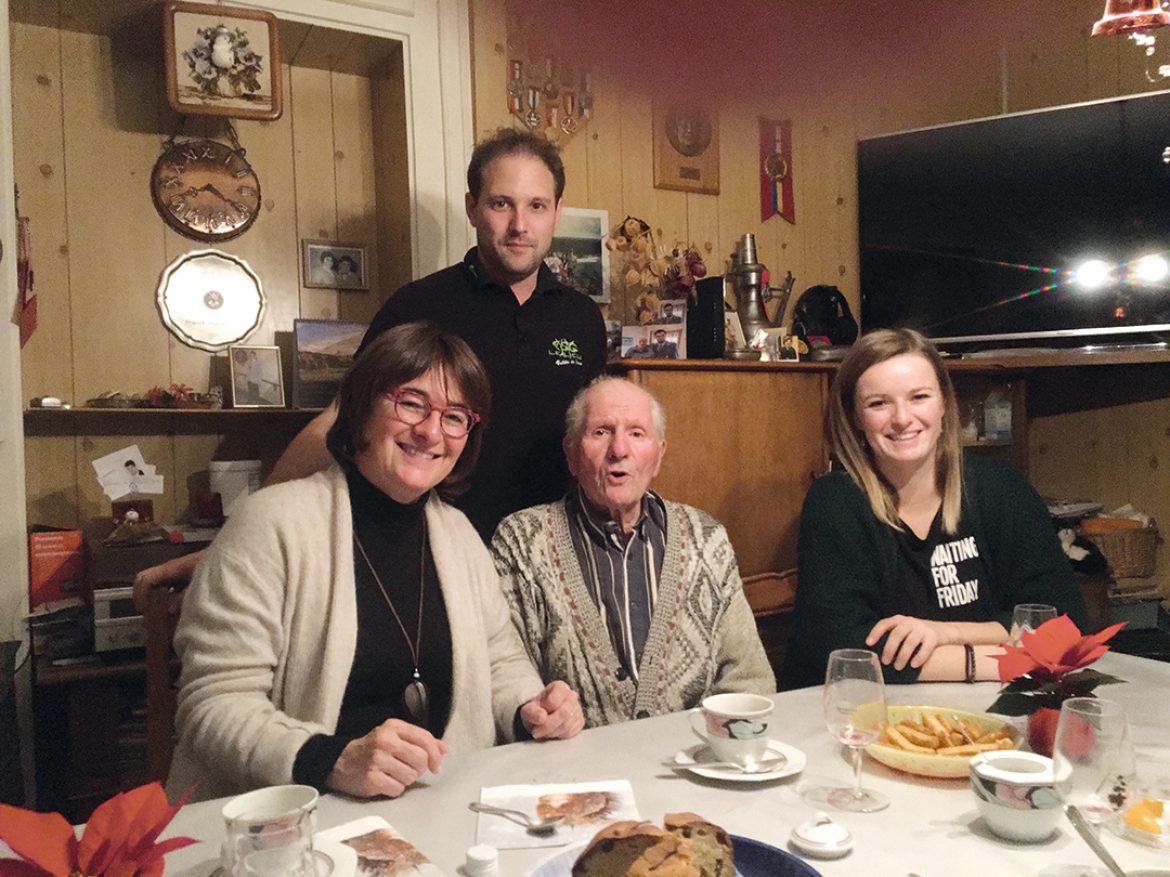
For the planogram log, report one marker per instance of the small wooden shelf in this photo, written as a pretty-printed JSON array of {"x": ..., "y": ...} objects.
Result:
[{"x": 156, "y": 421}]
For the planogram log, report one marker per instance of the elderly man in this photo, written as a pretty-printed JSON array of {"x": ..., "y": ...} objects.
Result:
[{"x": 635, "y": 601}]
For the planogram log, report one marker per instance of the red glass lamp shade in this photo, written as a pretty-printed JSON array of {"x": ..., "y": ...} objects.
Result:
[{"x": 1128, "y": 16}]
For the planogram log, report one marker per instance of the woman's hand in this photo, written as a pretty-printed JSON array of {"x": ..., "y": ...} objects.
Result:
[
  {"x": 909, "y": 640},
  {"x": 386, "y": 760},
  {"x": 553, "y": 714}
]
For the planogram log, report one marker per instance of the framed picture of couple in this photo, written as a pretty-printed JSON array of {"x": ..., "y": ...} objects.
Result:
[{"x": 334, "y": 265}]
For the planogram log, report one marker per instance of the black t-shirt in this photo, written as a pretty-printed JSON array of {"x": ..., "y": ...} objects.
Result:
[
  {"x": 537, "y": 356},
  {"x": 942, "y": 577}
]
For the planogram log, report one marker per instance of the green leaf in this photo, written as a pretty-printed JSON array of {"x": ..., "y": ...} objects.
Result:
[
  {"x": 1014, "y": 703},
  {"x": 1084, "y": 681}
]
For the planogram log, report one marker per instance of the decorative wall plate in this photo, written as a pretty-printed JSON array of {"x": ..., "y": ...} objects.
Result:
[{"x": 210, "y": 299}]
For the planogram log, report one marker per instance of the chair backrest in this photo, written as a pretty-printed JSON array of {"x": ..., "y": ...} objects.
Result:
[
  {"x": 772, "y": 596},
  {"x": 162, "y": 670}
]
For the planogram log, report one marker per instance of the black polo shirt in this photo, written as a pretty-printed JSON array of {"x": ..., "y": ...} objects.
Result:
[{"x": 537, "y": 356}]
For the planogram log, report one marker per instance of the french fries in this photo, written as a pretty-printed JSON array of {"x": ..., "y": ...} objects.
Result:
[{"x": 937, "y": 734}]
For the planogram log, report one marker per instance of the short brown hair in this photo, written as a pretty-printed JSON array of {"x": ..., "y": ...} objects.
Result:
[
  {"x": 395, "y": 357},
  {"x": 511, "y": 141},
  {"x": 848, "y": 443}
]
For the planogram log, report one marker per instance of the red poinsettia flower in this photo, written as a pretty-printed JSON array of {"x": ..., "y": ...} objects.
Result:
[
  {"x": 120, "y": 839},
  {"x": 1053, "y": 650},
  {"x": 1049, "y": 666}
]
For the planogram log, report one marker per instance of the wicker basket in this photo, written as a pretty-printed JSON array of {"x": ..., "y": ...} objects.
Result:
[{"x": 1131, "y": 553}]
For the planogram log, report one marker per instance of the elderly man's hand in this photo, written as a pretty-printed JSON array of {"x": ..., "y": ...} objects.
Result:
[
  {"x": 386, "y": 760},
  {"x": 553, "y": 714},
  {"x": 175, "y": 574}
]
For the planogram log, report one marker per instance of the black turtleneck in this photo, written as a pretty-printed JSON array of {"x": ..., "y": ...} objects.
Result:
[{"x": 392, "y": 535}]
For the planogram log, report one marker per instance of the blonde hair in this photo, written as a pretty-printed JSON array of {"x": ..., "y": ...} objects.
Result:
[{"x": 847, "y": 440}]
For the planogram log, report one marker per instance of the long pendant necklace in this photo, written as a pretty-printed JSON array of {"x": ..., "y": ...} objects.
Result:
[{"x": 415, "y": 696}]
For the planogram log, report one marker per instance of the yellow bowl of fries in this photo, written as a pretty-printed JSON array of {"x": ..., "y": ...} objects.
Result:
[{"x": 935, "y": 741}]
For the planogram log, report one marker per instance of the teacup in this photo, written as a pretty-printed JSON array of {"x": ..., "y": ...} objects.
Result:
[
  {"x": 270, "y": 831},
  {"x": 735, "y": 726},
  {"x": 1015, "y": 794}
]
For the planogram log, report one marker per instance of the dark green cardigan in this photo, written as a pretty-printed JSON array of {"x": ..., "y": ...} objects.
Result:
[{"x": 848, "y": 561}]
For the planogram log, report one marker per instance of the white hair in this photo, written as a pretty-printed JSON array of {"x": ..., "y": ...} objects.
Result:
[{"x": 575, "y": 415}]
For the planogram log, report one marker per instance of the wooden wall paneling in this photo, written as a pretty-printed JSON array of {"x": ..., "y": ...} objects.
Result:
[
  {"x": 738, "y": 206},
  {"x": 51, "y": 480},
  {"x": 357, "y": 216},
  {"x": 391, "y": 178},
  {"x": 314, "y": 175},
  {"x": 730, "y": 472},
  {"x": 830, "y": 250},
  {"x": 39, "y": 165},
  {"x": 113, "y": 229},
  {"x": 489, "y": 65},
  {"x": 272, "y": 245}
]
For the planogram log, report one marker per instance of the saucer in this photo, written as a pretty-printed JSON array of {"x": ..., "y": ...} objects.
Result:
[{"x": 692, "y": 759}]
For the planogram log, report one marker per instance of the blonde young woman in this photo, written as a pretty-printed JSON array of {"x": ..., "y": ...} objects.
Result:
[{"x": 913, "y": 550}]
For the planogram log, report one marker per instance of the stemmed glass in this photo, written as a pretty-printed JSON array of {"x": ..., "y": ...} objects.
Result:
[
  {"x": 1029, "y": 616},
  {"x": 855, "y": 712},
  {"x": 1092, "y": 758}
]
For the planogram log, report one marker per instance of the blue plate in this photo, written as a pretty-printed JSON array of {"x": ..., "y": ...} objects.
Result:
[{"x": 752, "y": 859}]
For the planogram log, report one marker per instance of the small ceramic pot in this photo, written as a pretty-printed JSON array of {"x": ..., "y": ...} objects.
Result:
[{"x": 1015, "y": 794}]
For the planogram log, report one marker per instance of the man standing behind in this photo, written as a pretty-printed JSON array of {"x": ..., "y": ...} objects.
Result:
[
  {"x": 635, "y": 601},
  {"x": 539, "y": 341}
]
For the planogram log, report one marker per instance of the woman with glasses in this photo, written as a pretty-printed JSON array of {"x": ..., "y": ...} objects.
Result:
[{"x": 345, "y": 629}]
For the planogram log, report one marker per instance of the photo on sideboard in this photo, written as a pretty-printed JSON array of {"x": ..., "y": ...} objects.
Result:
[
  {"x": 323, "y": 353},
  {"x": 256, "y": 378}
]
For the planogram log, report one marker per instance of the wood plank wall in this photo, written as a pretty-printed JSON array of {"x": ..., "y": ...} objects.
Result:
[
  {"x": 841, "y": 71},
  {"x": 90, "y": 119}
]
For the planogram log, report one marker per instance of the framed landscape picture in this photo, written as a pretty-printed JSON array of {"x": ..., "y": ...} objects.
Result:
[
  {"x": 221, "y": 61},
  {"x": 578, "y": 256},
  {"x": 324, "y": 351}
]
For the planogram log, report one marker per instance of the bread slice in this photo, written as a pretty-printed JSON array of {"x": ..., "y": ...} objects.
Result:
[
  {"x": 710, "y": 845},
  {"x": 615, "y": 848},
  {"x": 670, "y": 857}
]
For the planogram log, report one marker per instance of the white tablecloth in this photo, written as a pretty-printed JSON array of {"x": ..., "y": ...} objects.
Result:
[{"x": 932, "y": 827}]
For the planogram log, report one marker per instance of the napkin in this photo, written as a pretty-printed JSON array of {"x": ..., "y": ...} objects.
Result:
[
  {"x": 381, "y": 850},
  {"x": 585, "y": 806}
]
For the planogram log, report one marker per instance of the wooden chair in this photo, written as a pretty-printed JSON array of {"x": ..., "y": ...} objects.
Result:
[
  {"x": 162, "y": 670},
  {"x": 772, "y": 596}
]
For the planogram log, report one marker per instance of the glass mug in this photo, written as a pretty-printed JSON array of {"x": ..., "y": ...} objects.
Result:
[{"x": 270, "y": 832}]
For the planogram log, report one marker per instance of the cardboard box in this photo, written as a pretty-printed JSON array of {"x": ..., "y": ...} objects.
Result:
[{"x": 56, "y": 565}]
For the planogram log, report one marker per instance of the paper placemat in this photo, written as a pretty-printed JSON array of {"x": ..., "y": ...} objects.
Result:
[
  {"x": 585, "y": 808},
  {"x": 381, "y": 850}
]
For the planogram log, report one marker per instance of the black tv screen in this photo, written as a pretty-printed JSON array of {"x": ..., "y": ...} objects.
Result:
[{"x": 1048, "y": 228}]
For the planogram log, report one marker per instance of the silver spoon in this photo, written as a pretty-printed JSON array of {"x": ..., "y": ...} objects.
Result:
[
  {"x": 538, "y": 827},
  {"x": 1085, "y": 830}
]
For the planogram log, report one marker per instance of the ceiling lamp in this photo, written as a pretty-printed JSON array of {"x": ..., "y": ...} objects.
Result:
[{"x": 1128, "y": 16}]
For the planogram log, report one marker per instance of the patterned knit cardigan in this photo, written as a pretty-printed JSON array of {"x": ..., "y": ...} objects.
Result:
[{"x": 702, "y": 640}]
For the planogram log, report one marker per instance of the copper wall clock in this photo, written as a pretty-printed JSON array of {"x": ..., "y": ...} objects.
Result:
[{"x": 205, "y": 190}]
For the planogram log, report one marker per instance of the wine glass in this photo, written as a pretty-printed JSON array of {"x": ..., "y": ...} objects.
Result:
[
  {"x": 1092, "y": 758},
  {"x": 1029, "y": 616},
  {"x": 855, "y": 712}
]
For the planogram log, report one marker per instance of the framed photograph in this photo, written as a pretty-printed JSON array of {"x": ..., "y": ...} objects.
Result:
[
  {"x": 654, "y": 342},
  {"x": 578, "y": 255},
  {"x": 686, "y": 148},
  {"x": 334, "y": 265},
  {"x": 324, "y": 351},
  {"x": 733, "y": 331},
  {"x": 256, "y": 380},
  {"x": 222, "y": 61},
  {"x": 671, "y": 312}
]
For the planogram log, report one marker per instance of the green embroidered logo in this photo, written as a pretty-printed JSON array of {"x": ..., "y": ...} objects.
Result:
[{"x": 565, "y": 352}]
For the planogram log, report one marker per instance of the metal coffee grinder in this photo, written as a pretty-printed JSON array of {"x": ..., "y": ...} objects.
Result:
[{"x": 751, "y": 291}]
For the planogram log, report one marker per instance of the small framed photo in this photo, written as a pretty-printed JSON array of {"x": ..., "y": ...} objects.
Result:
[
  {"x": 256, "y": 379},
  {"x": 654, "y": 342},
  {"x": 222, "y": 61},
  {"x": 671, "y": 312},
  {"x": 334, "y": 265},
  {"x": 578, "y": 256},
  {"x": 324, "y": 351},
  {"x": 733, "y": 331}
]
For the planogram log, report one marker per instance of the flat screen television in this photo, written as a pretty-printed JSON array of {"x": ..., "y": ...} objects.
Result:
[{"x": 1039, "y": 229}]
